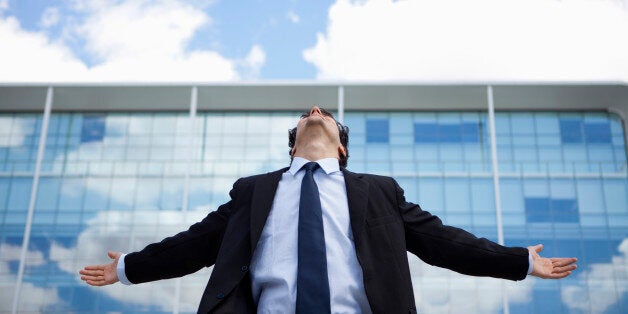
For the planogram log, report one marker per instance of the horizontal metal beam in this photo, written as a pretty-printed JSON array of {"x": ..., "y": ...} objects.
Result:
[{"x": 271, "y": 97}]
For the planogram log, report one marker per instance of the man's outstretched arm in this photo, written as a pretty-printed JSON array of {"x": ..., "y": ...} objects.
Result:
[
  {"x": 550, "y": 268},
  {"x": 458, "y": 250},
  {"x": 175, "y": 256},
  {"x": 102, "y": 275}
]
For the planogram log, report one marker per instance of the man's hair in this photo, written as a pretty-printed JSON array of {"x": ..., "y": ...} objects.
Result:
[{"x": 343, "y": 130}]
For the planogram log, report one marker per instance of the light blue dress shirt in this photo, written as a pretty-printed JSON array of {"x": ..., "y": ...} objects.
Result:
[{"x": 274, "y": 264}]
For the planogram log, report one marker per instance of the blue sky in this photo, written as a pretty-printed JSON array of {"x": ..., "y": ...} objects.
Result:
[{"x": 328, "y": 40}]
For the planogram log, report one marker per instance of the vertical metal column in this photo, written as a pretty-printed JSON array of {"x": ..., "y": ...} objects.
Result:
[
  {"x": 188, "y": 159},
  {"x": 31, "y": 204},
  {"x": 341, "y": 103},
  {"x": 186, "y": 186},
  {"x": 497, "y": 193},
  {"x": 498, "y": 201}
]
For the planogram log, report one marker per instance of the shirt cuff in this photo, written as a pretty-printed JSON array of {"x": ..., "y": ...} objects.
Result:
[
  {"x": 121, "y": 272},
  {"x": 530, "y": 263}
]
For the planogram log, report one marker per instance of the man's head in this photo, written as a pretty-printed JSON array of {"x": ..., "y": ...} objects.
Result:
[{"x": 318, "y": 126}]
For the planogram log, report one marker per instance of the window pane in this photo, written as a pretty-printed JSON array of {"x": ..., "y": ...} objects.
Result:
[
  {"x": 377, "y": 131},
  {"x": 571, "y": 131}
]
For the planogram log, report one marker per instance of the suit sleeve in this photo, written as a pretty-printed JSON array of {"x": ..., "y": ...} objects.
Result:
[
  {"x": 456, "y": 249},
  {"x": 183, "y": 253}
]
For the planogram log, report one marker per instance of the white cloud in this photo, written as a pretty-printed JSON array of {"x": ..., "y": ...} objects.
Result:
[
  {"x": 133, "y": 40},
  {"x": 253, "y": 62},
  {"x": 145, "y": 40},
  {"x": 438, "y": 290},
  {"x": 458, "y": 40},
  {"x": 293, "y": 17},
  {"x": 126, "y": 232},
  {"x": 13, "y": 131},
  {"x": 12, "y": 253},
  {"x": 50, "y": 17},
  {"x": 31, "y": 56},
  {"x": 601, "y": 285},
  {"x": 256, "y": 57},
  {"x": 33, "y": 299},
  {"x": 140, "y": 29}
]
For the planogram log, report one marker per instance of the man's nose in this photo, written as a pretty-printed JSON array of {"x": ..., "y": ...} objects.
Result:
[{"x": 315, "y": 109}]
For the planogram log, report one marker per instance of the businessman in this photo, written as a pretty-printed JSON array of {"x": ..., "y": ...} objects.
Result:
[{"x": 317, "y": 238}]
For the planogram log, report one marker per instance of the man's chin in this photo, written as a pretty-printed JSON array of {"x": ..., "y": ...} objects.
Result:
[
  {"x": 314, "y": 121},
  {"x": 316, "y": 117}
]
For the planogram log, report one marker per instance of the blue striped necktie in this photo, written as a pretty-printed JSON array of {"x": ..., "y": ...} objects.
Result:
[{"x": 312, "y": 282}]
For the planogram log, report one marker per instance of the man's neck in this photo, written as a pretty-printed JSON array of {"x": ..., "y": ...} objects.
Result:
[{"x": 315, "y": 151}]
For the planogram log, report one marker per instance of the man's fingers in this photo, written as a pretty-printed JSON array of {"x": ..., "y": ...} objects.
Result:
[
  {"x": 95, "y": 267},
  {"x": 555, "y": 275},
  {"x": 563, "y": 261},
  {"x": 559, "y": 270},
  {"x": 92, "y": 278},
  {"x": 560, "y": 275},
  {"x": 92, "y": 272}
]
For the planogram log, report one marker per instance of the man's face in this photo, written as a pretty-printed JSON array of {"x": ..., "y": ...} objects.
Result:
[
  {"x": 318, "y": 123},
  {"x": 318, "y": 117}
]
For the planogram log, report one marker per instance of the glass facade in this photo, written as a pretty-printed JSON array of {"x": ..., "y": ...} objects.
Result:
[{"x": 120, "y": 180}]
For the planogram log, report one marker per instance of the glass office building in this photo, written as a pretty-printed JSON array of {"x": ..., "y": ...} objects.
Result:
[{"x": 86, "y": 169}]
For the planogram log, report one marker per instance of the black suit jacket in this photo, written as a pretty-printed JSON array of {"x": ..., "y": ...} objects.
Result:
[{"x": 384, "y": 227}]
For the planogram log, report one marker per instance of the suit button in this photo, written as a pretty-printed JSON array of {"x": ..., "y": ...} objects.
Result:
[
  {"x": 244, "y": 269},
  {"x": 220, "y": 295}
]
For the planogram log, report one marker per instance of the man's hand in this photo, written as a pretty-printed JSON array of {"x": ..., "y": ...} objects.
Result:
[
  {"x": 102, "y": 275},
  {"x": 550, "y": 268}
]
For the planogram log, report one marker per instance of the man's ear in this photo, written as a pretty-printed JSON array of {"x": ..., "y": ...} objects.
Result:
[
  {"x": 342, "y": 152},
  {"x": 293, "y": 151}
]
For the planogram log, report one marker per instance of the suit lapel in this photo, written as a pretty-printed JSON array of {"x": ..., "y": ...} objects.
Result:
[
  {"x": 357, "y": 194},
  {"x": 261, "y": 203}
]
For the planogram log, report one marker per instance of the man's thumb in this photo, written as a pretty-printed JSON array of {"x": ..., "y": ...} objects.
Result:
[
  {"x": 538, "y": 248},
  {"x": 113, "y": 255}
]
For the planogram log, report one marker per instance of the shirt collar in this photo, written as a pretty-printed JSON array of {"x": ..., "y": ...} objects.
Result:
[{"x": 329, "y": 165}]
